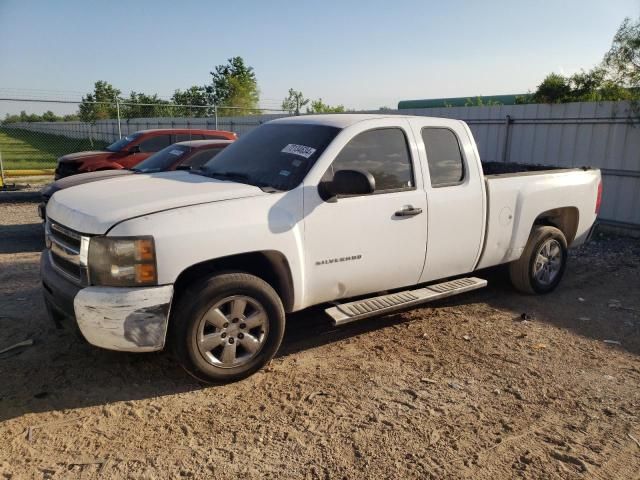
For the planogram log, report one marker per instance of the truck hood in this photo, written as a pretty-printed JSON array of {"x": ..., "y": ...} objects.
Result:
[
  {"x": 93, "y": 208},
  {"x": 72, "y": 157},
  {"x": 80, "y": 179}
]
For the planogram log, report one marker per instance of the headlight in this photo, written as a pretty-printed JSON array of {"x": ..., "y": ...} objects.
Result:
[{"x": 122, "y": 262}]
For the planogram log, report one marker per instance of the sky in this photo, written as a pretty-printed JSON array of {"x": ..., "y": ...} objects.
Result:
[{"x": 362, "y": 54}]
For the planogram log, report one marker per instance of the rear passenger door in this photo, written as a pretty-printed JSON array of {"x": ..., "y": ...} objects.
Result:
[
  {"x": 455, "y": 198},
  {"x": 364, "y": 244}
]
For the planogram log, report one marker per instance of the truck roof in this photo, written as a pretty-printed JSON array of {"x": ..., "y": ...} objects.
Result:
[
  {"x": 203, "y": 143},
  {"x": 342, "y": 120},
  {"x": 180, "y": 130}
]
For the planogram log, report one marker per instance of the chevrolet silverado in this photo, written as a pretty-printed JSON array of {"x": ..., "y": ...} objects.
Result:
[{"x": 363, "y": 214}]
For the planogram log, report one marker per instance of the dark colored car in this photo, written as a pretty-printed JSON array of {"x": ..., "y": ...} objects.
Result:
[
  {"x": 179, "y": 156},
  {"x": 132, "y": 149}
]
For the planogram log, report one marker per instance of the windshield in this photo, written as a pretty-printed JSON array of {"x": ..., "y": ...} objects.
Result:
[
  {"x": 275, "y": 155},
  {"x": 122, "y": 143},
  {"x": 162, "y": 160}
]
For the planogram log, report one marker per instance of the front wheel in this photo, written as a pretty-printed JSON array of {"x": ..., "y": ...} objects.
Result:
[
  {"x": 227, "y": 327},
  {"x": 542, "y": 263}
]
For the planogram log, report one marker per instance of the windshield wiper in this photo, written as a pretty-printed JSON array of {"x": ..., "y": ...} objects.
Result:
[{"x": 237, "y": 176}]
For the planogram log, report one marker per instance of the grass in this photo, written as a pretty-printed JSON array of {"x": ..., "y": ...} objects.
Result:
[{"x": 23, "y": 149}]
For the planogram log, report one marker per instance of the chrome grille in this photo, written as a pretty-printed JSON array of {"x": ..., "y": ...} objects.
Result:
[{"x": 65, "y": 248}]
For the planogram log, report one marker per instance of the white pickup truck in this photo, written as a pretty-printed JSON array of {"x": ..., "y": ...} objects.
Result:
[{"x": 365, "y": 214}]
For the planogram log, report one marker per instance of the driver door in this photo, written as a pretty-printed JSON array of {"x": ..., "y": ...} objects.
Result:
[{"x": 363, "y": 244}]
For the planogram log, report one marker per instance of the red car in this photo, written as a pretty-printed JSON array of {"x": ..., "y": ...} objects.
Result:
[
  {"x": 132, "y": 149},
  {"x": 180, "y": 156}
]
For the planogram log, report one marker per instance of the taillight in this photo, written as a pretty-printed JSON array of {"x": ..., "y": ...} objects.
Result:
[{"x": 599, "y": 198}]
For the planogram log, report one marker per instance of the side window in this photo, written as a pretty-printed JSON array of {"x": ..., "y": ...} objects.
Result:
[
  {"x": 155, "y": 143},
  {"x": 384, "y": 153},
  {"x": 199, "y": 159},
  {"x": 443, "y": 156}
]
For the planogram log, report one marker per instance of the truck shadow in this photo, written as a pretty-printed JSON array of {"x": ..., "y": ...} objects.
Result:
[
  {"x": 21, "y": 238},
  {"x": 595, "y": 317},
  {"x": 61, "y": 371}
]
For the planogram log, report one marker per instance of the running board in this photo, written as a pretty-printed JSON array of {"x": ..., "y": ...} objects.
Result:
[{"x": 353, "y": 311}]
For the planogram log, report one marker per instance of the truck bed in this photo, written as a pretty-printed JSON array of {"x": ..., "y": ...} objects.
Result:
[
  {"x": 517, "y": 194},
  {"x": 511, "y": 168}
]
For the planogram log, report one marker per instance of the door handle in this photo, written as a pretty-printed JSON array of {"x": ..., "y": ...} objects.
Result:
[{"x": 408, "y": 211}]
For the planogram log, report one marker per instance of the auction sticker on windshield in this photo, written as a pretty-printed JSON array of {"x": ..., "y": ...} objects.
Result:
[
  {"x": 300, "y": 150},
  {"x": 176, "y": 152}
]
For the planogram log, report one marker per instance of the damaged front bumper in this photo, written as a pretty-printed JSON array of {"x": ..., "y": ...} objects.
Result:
[{"x": 125, "y": 319}]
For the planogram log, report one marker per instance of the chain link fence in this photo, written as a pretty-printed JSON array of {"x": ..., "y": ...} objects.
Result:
[
  {"x": 603, "y": 134},
  {"x": 34, "y": 141}
]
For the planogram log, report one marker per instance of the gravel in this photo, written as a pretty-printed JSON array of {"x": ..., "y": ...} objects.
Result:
[{"x": 463, "y": 388}]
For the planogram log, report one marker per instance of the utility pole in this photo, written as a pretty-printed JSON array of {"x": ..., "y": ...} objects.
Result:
[{"x": 118, "y": 113}]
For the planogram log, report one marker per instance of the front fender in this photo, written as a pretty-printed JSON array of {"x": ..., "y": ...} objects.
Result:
[{"x": 191, "y": 235}]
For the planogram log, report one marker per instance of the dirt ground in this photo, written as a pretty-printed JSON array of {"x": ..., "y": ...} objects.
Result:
[{"x": 467, "y": 388}]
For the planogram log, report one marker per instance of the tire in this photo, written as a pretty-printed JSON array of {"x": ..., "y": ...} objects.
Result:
[
  {"x": 539, "y": 269},
  {"x": 226, "y": 327}
]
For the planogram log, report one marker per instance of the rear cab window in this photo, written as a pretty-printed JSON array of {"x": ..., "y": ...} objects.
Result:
[
  {"x": 162, "y": 160},
  {"x": 199, "y": 158},
  {"x": 384, "y": 153},
  {"x": 444, "y": 156}
]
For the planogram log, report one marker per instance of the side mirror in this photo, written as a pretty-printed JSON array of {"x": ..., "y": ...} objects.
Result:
[
  {"x": 349, "y": 182},
  {"x": 134, "y": 149},
  {"x": 183, "y": 167}
]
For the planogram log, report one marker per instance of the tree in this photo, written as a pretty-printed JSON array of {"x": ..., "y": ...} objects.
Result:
[
  {"x": 480, "y": 102},
  {"x": 592, "y": 86},
  {"x": 293, "y": 102},
  {"x": 318, "y": 106},
  {"x": 616, "y": 78},
  {"x": 234, "y": 85},
  {"x": 524, "y": 99},
  {"x": 194, "y": 96},
  {"x": 623, "y": 58},
  {"x": 596, "y": 85},
  {"x": 49, "y": 116},
  {"x": 100, "y": 104},
  {"x": 141, "y": 105},
  {"x": 555, "y": 88},
  {"x": 9, "y": 118}
]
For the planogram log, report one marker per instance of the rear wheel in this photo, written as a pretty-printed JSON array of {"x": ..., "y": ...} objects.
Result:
[
  {"x": 542, "y": 263},
  {"x": 227, "y": 327}
]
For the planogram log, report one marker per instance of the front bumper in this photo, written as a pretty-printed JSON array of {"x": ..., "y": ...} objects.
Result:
[{"x": 125, "y": 319}]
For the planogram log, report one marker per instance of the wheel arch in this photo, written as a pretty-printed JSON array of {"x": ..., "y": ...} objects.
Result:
[
  {"x": 269, "y": 265},
  {"x": 565, "y": 219}
]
